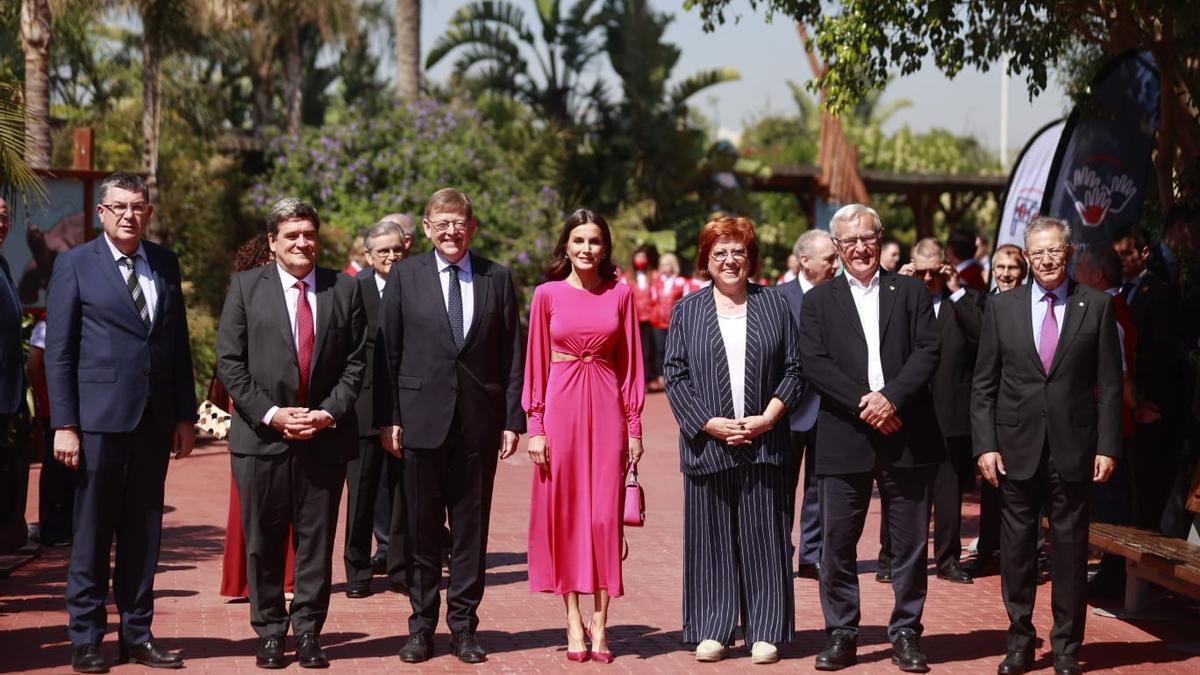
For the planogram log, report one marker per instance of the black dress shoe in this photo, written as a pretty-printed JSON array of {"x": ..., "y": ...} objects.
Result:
[
  {"x": 884, "y": 575},
  {"x": 809, "y": 571},
  {"x": 357, "y": 590},
  {"x": 907, "y": 653},
  {"x": 1015, "y": 663},
  {"x": 270, "y": 653},
  {"x": 309, "y": 653},
  {"x": 464, "y": 646},
  {"x": 418, "y": 649},
  {"x": 955, "y": 573},
  {"x": 379, "y": 566},
  {"x": 148, "y": 654},
  {"x": 1065, "y": 664},
  {"x": 982, "y": 564},
  {"x": 839, "y": 652},
  {"x": 87, "y": 659}
]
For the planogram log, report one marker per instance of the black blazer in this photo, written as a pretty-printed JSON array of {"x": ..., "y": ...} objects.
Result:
[
  {"x": 697, "y": 377},
  {"x": 12, "y": 353},
  {"x": 364, "y": 405},
  {"x": 428, "y": 378},
  {"x": 1159, "y": 351},
  {"x": 1018, "y": 408},
  {"x": 835, "y": 362},
  {"x": 256, "y": 361},
  {"x": 958, "y": 324}
]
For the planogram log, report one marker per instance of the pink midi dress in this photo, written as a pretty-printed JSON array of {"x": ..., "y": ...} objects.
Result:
[{"x": 588, "y": 409}]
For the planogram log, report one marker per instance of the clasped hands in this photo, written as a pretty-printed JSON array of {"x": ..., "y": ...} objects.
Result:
[
  {"x": 876, "y": 410},
  {"x": 738, "y": 431},
  {"x": 297, "y": 424}
]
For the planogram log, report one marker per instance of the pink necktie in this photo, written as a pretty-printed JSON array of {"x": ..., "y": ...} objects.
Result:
[
  {"x": 304, "y": 340},
  {"x": 1048, "y": 340}
]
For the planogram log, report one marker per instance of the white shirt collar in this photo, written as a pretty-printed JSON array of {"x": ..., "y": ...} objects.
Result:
[
  {"x": 380, "y": 282},
  {"x": 1114, "y": 291},
  {"x": 867, "y": 286},
  {"x": 1060, "y": 293},
  {"x": 464, "y": 265},
  {"x": 289, "y": 281},
  {"x": 117, "y": 254},
  {"x": 805, "y": 284}
]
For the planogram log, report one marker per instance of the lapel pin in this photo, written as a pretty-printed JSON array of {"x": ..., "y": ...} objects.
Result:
[
  {"x": 1081, "y": 303},
  {"x": 891, "y": 288}
]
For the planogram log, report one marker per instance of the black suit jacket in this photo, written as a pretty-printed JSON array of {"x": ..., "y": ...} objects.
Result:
[
  {"x": 1018, "y": 408},
  {"x": 1153, "y": 305},
  {"x": 958, "y": 324},
  {"x": 256, "y": 361},
  {"x": 12, "y": 354},
  {"x": 428, "y": 378},
  {"x": 364, "y": 406},
  {"x": 696, "y": 371},
  {"x": 835, "y": 362}
]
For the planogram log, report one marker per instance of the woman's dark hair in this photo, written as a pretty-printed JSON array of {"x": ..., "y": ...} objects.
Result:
[
  {"x": 560, "y": 267},
  {"x": 252, "y": 253}
]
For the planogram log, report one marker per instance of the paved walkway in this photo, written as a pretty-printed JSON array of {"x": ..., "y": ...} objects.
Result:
[{"x": 964, "y": 624}]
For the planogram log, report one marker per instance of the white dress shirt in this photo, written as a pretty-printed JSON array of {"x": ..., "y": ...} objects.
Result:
[
  {"x": 1036, "y": 297},
  {"x": 866, "y": 301},
  {"x": 465, "y": 281},
  {"x": 805, "y": 284},
  {"x": 733, "y": 334},
  {"x": 380, "y": 282},
  {"x": 291, "y": 296},
  {"x": 142, "y": 267}
]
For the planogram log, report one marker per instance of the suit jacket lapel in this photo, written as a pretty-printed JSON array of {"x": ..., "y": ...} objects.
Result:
[
  {"x": 370, "y": 296},
  {"x": 887, "y": 300},
  {"x": 1072, "y": 319},
  {"x": 277, "y": 304},
  {"x": 845, "y": 301},
  {"x": 433, "y": 291},
  {"x": 716, "y": 346},
  {"x": 754, "y": 332},
  {"x": 1024, "y": 319},
  {"x": 110, "y": 271},
  {"x": 325, "y": 298},
  {"x": 481, "y": 283},
  {"x": 155, "y": 264}
]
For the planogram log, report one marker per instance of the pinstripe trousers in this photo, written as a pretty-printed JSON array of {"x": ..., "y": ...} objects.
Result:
[{"x": 736, "y": 556}]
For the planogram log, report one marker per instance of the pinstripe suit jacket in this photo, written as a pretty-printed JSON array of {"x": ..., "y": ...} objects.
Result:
[{"x": 697, "y": 378}]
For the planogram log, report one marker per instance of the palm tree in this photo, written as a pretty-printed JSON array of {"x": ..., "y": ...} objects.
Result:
[
  {"x": 495, "y": 45},
  {"x": 36, "y": 31},
  {"x": 15, "y": 172},
  {"x": 407, "y": 17}
]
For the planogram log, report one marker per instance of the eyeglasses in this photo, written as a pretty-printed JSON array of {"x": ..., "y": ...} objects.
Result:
[
  {"x": 444, "y": 225},
  {"x": 395, "y": 252},
  {"x": 119, "y": 210},
  {"x": 738, "y": 255},
  {"x": 867, "y": 240},
  {"x": 1055, "y": 253}
]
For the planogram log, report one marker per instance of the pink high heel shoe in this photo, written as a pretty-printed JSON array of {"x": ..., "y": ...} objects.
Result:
[
  {"x": 598, "y": 657},
  {"x": 579, "y": 657}
]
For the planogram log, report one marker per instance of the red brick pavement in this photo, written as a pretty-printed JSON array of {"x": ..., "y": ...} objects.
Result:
[{"x": 964, "y": 625}]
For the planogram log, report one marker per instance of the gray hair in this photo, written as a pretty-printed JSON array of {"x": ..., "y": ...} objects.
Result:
[
  {"x": 929, "y": 247},
  {"x": 1043, "y": 223},
  {"x": 289, "y": 208},
  {"x": 851, "y": 212},
  {"x": 406, "y": 221},
  {"x": 122, "y": 181},
  {"x": 806, "y": 241},
  {"x": 380, "y": 229}
]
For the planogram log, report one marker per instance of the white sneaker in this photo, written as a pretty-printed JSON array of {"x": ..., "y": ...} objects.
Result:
[
  {"x": 763, "y": 652},
  {"x": 710, "y": 651}
]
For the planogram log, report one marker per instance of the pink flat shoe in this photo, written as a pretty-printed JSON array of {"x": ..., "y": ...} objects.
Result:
[{"x": 578, "y": 657}]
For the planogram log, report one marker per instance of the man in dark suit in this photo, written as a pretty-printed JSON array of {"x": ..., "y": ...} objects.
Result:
[
  {"x": 960, "y": 249},
  {"x": 1046, "y": 419},
  {"x": 869, "y": 344},
  {"x": 455, "y": 359},
  {"x": 119, "y": 374},
  {"x": 14, "y": 475},
  {"x": 374, "y": 470},
  {"x": 290, "y": 351},
  {"x": 959, "y": 316},
  {"x": 818, "y": 261}
]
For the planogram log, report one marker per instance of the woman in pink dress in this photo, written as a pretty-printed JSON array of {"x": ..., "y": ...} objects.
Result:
[{"x": 584, "y": 389}]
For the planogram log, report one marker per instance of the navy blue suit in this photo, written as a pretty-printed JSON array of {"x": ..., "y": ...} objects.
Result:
[
  {"x": 12, "y": 357},
  {"x": 124, "y": 387},
  {"x": 803, "y": 422}
]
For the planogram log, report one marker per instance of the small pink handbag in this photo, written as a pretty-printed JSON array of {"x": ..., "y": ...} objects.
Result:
[{"x": 635, "y": 500}]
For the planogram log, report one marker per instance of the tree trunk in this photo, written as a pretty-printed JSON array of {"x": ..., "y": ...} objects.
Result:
[
  {"x": 151, "y": 95},
  {"x": 293, "y": 73},
  {"x": 408, "y": 49},
  {"x": 35, "y": 41}
]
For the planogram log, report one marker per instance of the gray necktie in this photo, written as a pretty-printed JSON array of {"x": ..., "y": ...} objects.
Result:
[
  {"x": 455, "y": 309},
  {"x": 135, "y": 290}
]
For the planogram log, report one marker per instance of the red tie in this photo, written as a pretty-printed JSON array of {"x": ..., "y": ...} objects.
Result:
[{"x": 304, "y": 339}]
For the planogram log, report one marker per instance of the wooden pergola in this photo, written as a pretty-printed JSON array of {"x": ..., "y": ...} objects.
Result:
[{"x": 921, "y": 192}]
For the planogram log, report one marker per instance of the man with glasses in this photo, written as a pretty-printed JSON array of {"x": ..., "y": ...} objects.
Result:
[
  {"x": 119, "y": 373},
  {"x": 1046, "y": 421},
  {"x": 450, "y": 405},
  {"x": 870, "y": 346},
  {"x": 372, "y": 480}
]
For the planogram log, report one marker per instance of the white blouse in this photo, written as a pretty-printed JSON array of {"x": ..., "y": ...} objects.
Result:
[{"x": 733, "y": 334}]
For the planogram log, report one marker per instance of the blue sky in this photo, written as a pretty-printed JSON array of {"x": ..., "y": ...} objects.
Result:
[{"x": 770, "y": 54}]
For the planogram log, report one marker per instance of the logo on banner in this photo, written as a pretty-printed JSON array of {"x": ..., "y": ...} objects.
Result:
[
  {"x": 1099, "y": 188},
  {"x": 1027, "y": 204}
]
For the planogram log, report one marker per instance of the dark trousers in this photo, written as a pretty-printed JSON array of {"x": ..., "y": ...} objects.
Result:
[
  {"x": 804, "y": 445},
  {"x": 845, "y": 499},
  {"x": 954, "y": 474},
  {"x": 989, "y": 520},
  {"x": 118, "y": 493},
  {"x": 735, "y": 556},
  {"x": 1153, "y": 466},
  {"x": 456, "y": 481},
  {"x": 56, "y": 494},
  {"x": 277, "y": 492},
  {"x": 373, "y": 471},
  {"x": 660, "y": 349},
  {"x": 649, "y": 353},
  {"x": 1020, "y": 521}
]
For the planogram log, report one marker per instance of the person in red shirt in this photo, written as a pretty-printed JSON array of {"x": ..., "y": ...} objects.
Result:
[
  {"x": 960, "y": 249},
  {"x": 643, "y": 279}
]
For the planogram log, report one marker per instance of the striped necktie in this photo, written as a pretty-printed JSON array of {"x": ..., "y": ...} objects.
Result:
[{"x": 135, "y": 290}]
